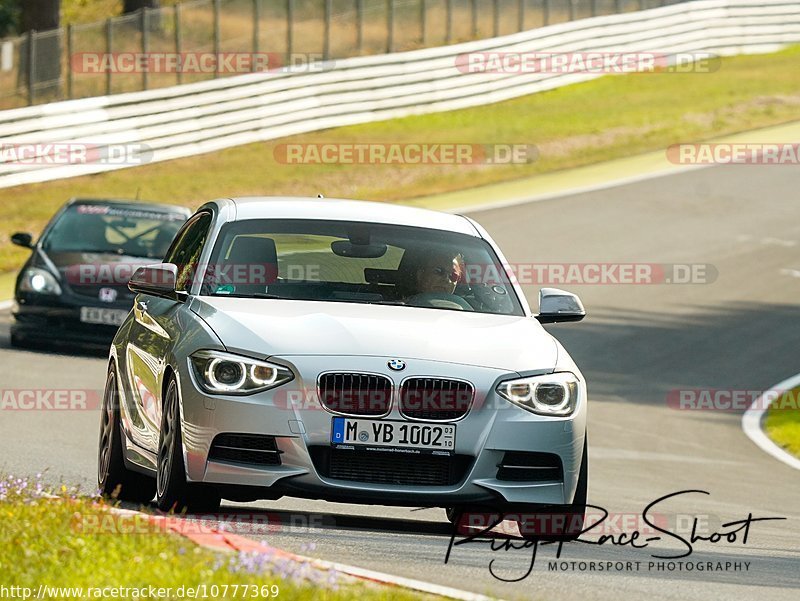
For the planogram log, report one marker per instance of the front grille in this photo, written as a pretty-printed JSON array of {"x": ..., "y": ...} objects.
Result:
[
  {"x": 387, "y": 467},
  {"x": 255, "y": 449},
  {"x": 93, "y": 291},
  {"x": 435, "y": 399},
  {"x": 518, "y": 466},
  {"x": 355, "y": 394}
]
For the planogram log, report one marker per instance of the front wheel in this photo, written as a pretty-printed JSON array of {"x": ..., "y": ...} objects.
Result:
[
  {"x": 173, "y": 493},
  {"x": 454, "y": 514},
  {"x": 17, "y": 340},
  {"x": 113, "y": 478}
]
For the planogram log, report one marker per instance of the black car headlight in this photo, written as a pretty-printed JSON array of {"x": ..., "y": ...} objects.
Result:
[
  {"x": 40, "y": 281},
  {"x": 551, "y": 394},
  {"x": 225, "y": 373}
]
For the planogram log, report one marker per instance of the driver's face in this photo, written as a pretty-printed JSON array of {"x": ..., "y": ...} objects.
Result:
[{"x": 439, "y": 274}]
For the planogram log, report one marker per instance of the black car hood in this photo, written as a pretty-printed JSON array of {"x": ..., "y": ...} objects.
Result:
[{"x": 78, "y": 268}]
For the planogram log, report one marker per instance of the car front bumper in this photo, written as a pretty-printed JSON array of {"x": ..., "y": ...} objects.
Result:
[
  {"x": 57, "y": 319},
  {"x": 301, "y": 426}
]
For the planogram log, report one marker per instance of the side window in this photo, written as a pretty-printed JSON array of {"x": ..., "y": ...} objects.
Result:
[{"x": 186, "y": 249}]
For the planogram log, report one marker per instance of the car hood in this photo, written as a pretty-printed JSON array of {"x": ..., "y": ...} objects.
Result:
[{"x": 270, "y": 327}]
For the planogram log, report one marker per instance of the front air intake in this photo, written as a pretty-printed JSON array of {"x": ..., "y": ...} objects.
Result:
[
  {"x": 250, "y": 449},
  {"x": 519, "y": 466}
]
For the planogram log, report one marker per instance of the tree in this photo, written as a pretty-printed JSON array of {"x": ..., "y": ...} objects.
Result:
[
  {"x": 40, "y": 15},
  {"x": 129, "y": 6},
  {"x": 9, "y": 17}
]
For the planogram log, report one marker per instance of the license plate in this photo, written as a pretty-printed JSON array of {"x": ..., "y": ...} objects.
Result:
[
  {"x": 397, "y": 434},
  {"x": 108, "y": 317}
]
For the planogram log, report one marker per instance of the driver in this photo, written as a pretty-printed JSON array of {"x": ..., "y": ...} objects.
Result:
[{"x": 438, "y": 271}]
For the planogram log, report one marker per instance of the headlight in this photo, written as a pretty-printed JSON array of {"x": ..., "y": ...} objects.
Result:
[
  {"x": 552, "y": 394},
  {"x": 225, "y": 373},
  {"x": 40, "y": 281}
]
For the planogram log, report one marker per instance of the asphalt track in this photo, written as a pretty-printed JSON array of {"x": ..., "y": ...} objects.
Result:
[{"x": 638, "y": 343}]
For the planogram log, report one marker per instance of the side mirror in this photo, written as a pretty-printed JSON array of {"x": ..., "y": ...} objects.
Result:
[
  {"x": 22, "y": 239},
  {"x": 558, "y": 306},
  {"x": 158, "y": 280}
]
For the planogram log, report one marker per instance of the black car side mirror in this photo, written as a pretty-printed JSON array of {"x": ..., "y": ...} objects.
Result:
[
  {"x": 22, "y": 239},
  {"x": 556, "y": 306},
  {"x": 156, "y": 280}
]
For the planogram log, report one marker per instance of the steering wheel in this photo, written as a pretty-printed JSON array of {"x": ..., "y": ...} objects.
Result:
[
  {"x": 493, "y": 297},
  {"x": 439, "y": 300}
]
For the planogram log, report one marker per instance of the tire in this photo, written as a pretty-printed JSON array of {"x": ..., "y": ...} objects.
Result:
[
  {"x": 575, "y": 512},
  {"x": 471, "y": 519},
  {"x": 114, "y": 479},
  {"x": 173, "y": 493},
  {"x": 456, "y": 514},
  {"x": 453, "y": 514},
  {"x": 17, "y": 340}
]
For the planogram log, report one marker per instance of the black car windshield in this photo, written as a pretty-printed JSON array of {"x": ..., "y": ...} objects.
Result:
[
  {"x": 341, "y": 261},
  {"x": 133, "y": 230}
]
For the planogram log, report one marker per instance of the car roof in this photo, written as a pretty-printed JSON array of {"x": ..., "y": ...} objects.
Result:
[
  {"x": 337, "y": 209},
  {"x": 130, "y": 202}
]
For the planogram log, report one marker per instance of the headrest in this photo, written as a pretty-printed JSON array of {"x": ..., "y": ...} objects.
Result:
[
  {"x": 252, "y": 249},
  {"x": 251, "y": 254}
]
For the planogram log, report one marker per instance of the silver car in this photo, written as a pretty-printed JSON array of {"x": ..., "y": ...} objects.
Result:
[{"x": 347, "y": 351}]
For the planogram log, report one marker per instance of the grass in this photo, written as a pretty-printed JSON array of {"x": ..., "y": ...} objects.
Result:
[
  {"x": 7, "y": 285},
  {"x": 595, "y": 121},
  {"x": 55, "y": 541},
  {"x": 783, "y": 422}
]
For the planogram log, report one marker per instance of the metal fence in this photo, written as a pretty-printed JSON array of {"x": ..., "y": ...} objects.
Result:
[
  {"x": 100, "y": 58},
  {"x": 180, "y": 121}
]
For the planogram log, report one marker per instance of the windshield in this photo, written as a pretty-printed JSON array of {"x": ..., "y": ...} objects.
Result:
[
  {"x": 357, "y": 262},
  {"x": 119, "y": 229}
]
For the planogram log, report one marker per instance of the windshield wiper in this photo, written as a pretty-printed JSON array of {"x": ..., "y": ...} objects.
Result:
[
  {"x": 105, "y": 251},
  {"x": 336, "y": 300},
  {"x": 253, "y": 295},
  {"x": 122, "y": 251}
]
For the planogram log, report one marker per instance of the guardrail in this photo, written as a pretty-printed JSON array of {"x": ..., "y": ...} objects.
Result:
[
  {"x": 37, "y": 67},
  {"x": 196, "y": 118}
]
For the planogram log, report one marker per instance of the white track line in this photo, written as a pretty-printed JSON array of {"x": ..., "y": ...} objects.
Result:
[
  {"x": 614, "y": 182},
  {"x": 408, "y": 583},
  {"x": 751, "y": 424}
]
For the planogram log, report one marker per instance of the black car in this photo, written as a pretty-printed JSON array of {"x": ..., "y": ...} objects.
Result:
[{"x": 74, "y": 285}]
